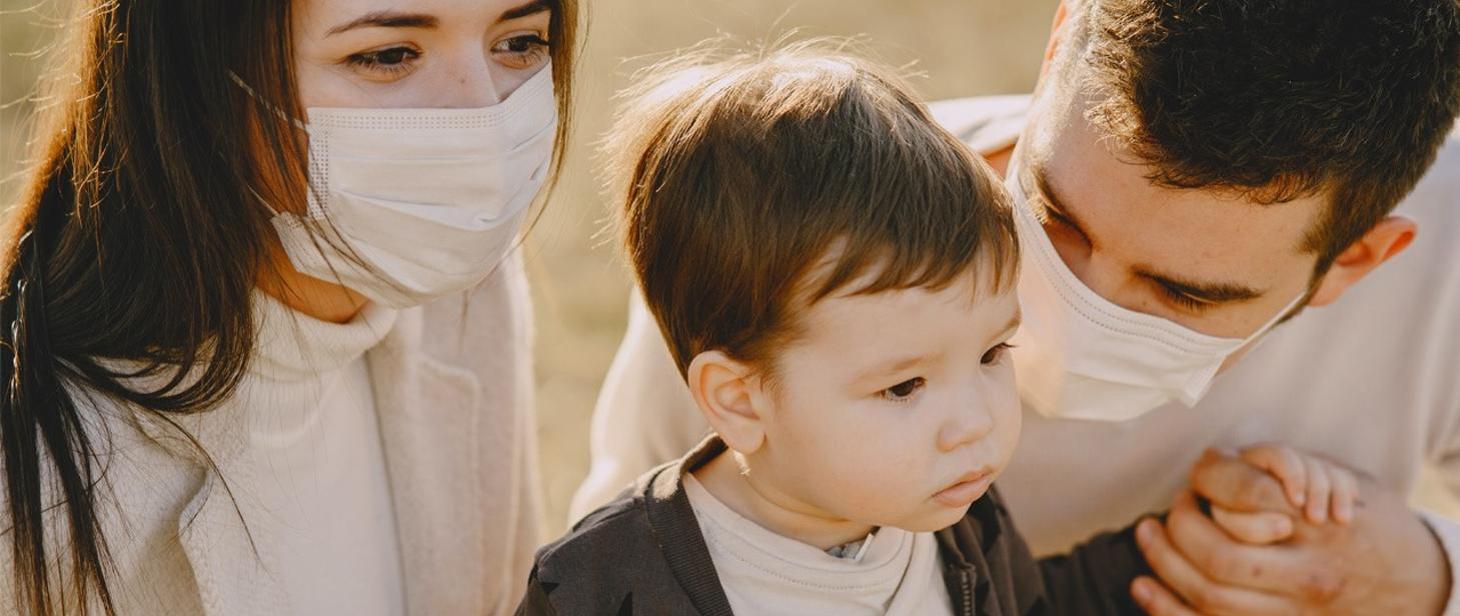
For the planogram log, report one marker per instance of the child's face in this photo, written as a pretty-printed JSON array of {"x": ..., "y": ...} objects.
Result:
[{"x": 894, "y": 409}]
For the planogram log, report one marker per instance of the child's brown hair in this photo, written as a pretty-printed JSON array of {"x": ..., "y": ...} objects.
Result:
[{"x": 754, "y": 184}]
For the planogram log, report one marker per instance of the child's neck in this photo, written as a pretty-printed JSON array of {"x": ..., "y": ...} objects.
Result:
[{"x": 772, "y": 509}]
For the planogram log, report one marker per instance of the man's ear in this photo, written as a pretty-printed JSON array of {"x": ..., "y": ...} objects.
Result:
[
  {"x": 1055, "y": 34},
  {"x": 1387, "y": 239},
  {"x": 728, "y": 393}
]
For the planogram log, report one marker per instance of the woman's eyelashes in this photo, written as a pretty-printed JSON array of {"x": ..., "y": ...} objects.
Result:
[
  {"x": 522, "y": 51},
  {"x": 392, "y": 62},
  {"x": 385, "y": 63}
]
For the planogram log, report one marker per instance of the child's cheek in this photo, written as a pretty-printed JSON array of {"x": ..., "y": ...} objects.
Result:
[
  {"x": 1008, "y": 421},
  {"x": 898, "y": 467}
]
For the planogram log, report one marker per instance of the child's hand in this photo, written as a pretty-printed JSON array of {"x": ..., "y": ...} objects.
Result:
[{"x": 1317, "y": 487}]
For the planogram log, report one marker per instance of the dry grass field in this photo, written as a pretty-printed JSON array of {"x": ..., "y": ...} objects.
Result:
[{"x": 958, "y": 47}]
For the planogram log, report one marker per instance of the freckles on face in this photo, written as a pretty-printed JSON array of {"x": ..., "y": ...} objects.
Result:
[{"x": 888, "y": 399}]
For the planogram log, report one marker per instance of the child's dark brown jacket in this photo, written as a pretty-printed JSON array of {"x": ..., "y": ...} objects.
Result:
[{"x": 643, "y": 554}]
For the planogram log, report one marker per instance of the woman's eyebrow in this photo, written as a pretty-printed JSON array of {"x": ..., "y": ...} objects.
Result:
[
  {"x": 386, "y": 19},
  {"x": 531, "y": 8}
]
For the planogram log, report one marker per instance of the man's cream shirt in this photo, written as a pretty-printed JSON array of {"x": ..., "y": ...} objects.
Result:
[{"x": 1372, "y": 381}]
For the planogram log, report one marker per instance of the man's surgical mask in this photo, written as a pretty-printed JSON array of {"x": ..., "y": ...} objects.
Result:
[
  {"x": 1080, "y": 356},
  {"x": 410, "y": 205}
]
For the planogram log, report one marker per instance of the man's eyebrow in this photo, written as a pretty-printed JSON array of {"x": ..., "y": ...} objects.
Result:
[
  {"x": 531, "y": 8},
  {"x": 1205, "y": 292},
  {"x": 386, "y": 19},
  {"x": 1052, "y": 203}
]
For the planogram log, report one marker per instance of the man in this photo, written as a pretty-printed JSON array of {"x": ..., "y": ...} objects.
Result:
[{"x": 1203, "y": 172}]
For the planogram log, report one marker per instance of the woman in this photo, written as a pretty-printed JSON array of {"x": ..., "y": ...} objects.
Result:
[{"x": 265, "y": 337}]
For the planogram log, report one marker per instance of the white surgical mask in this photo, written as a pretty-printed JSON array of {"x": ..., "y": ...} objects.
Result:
[
  {"x": 425, "y": 202},
  {"x": 1079, "y": 356}
]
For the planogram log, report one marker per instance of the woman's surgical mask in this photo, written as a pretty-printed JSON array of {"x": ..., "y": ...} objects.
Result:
[
  {"x": 409, "y": 205},
  {"x": 1080, "y": 356}
]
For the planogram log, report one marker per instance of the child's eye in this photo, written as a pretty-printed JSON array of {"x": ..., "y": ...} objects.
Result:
[
  {"x": 996, "y": 354},
  {"x": 904, "y": 390},
  {"x": 389, "y": 62},
  {"x": 522, "y": 51}
]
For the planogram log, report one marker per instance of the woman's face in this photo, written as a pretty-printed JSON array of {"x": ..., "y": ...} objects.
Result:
[{"x": 423, "y": 53}]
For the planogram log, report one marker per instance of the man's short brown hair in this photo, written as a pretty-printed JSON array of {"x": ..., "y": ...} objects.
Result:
[
  {"x": 1278, "y": 99},
  {"x": 739, "y": 177}
]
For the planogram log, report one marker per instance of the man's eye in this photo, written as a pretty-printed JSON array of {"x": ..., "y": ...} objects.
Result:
[
  {"x": 996, "y": 354},
  {"x": 904, "y": 390},
  {"x": 1182, "y": 300},
  {"x": 1062, "y": 221}
]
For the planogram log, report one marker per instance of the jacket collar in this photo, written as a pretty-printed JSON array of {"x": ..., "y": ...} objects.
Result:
[{"x": 677, "y": 531}]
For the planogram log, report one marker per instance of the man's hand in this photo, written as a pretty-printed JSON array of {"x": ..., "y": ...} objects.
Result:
[{"x": 1385, "y": 562}]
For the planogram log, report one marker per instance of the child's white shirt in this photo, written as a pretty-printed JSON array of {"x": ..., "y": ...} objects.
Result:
[{"x": 895, "y": 572}]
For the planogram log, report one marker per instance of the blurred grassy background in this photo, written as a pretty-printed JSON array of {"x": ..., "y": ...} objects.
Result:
[{"x": 962, "y": 47}]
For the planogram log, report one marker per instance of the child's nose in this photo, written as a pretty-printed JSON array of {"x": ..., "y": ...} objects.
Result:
[{"x": 969, "y": 424}]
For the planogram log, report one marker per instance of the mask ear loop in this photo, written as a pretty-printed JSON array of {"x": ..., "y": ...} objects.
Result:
[
  {"x": 332, "y": 238},
  {"x": 273, "y": 212},
  {"x": 299, "y": 124},
  {"x": 295, "y": 122},
  {"x": 1263, "y": 334}
]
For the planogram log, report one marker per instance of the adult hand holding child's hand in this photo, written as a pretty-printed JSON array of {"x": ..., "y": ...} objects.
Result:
[{"x": 1289, "y": 534}]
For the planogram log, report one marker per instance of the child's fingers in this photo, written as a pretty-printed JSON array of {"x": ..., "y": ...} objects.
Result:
[
  {"x": 1156, "y": 600},
  {"x": 1319, "y": 489},
  {"x": 1286, "y": 465},
  {"x": 1261, "y": 528},
  {"x": 1345, "y": 494}
]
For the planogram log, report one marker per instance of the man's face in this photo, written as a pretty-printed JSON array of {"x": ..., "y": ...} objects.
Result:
[{"x": 1212, "y": 261}]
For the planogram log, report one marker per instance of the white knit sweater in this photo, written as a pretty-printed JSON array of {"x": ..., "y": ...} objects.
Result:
[{"x": 452, "y": 390}]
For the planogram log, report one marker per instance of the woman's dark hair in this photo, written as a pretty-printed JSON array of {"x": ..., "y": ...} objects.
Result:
[{"x": 137, "y": 241}]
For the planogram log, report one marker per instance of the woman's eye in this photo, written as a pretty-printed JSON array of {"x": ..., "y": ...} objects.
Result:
[
  {"x": 904, "y": 390},
  {"x": 996, "y": 354},
  {"x": 388, "y": 62},
  {"x": 522, "y": 51}
]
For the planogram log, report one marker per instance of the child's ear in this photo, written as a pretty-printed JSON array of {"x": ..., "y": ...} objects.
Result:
[{"x": 726, "y": 391}]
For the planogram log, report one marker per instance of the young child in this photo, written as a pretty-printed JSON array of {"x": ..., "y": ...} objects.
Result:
[{"x": 834, "y": 274}]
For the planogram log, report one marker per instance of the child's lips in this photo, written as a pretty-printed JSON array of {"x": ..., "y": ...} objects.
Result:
[{"x": 968, "y": 488}]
